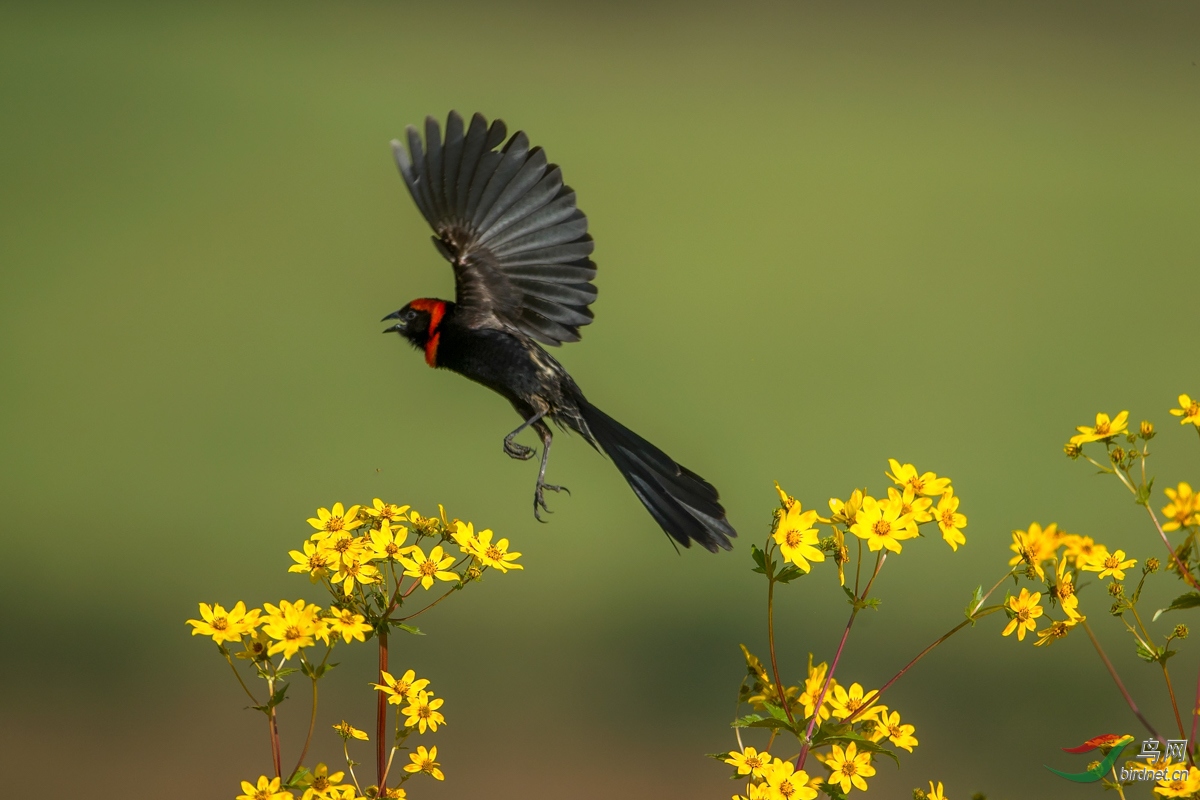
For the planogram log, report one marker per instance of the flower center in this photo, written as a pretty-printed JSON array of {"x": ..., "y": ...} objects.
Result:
[
  {"x": 948, "y": 518},
  {"x": 792, "y": 538},
  {"x": 1102, "y": 429},
  {"x": 849, "y": 769},
  {"x": 853, "y": 705},
  {"x": 1194, "y": 409},
  {"x": 391, "y": 549},
  {"x": 786, "y": 789},
  {"x": 320, "y": 783},
  {"x": 335, "y": 524},
  {"x": 1023, "y": 615},
  {"x": 424, "y": 712},
  {"x": 292, "y": 633},
  {"x": 754, "y": 762},
  {"x": 317, "y": 561},
  {"x": 1111, "y": 562},
  {"x": 1065, "y": 589},
  {"x": 918, "y": 485},
  {"x": 401, "y": 687},
  {"x": 494, "y": 553},
  {"x": 220, "y": 624},
  {"x": 427, "y": 765},
  {"x": 342, "y": 545},
  {"x": 882, "y": 528},
  {"x": 428, "y": 567}
]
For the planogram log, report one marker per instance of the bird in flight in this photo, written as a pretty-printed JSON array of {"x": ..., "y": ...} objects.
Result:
[{"x": 509, "y": 227}]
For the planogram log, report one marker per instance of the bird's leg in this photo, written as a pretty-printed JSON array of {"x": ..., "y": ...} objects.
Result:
[
  {"x": 520, "y": 451},
  {"x": 539, "y": 499}
]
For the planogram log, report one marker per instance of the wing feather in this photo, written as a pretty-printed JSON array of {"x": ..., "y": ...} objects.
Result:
[{"x": 507, "y": 223}]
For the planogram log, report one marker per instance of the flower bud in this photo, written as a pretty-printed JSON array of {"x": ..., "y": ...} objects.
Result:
[
  {"x": 1116, "y": 589},
  {"x": 1181, "y": 631},
  {"x": 919, "y": 794},
  {"x": 1147, "y": 430},
  {"x": 1152, "y": 564},
  {"x": 1072, "y": 450},
  {"x": 1116, "y": 455}
]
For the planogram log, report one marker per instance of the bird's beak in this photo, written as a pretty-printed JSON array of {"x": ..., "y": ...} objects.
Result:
[{"x": 398, "y": 327}]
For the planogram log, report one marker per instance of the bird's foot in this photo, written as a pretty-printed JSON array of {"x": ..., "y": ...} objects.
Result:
[
  {"x": 539, "y": 498},
  {"x": 517, "y": 450}
]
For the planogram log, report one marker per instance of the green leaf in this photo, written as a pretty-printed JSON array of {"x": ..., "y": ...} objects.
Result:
[
  {"x": 760, "y": 558},
  {"x": 833, "y": 790},
  {"x": 1143, "y": 493},
  {"x": 721, "y": 757},
  {"x": 745, "y": 722},
  {"x": 1189, "y": 600},
  {"x": 775, "y": 711},
  {"x": 414, "y": 630},
  {"x": 276, "y": 698},
  {"x": 851, "y": 595},
  {"x": 1149, "y": 656},
  {"x": 976, "y": 599},
  {"x": 790, "y": 573}
]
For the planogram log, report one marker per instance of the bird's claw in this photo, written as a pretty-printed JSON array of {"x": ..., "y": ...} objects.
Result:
[
  {"x": 539, "y": 498},
  {"x": 517, "y": 450}
]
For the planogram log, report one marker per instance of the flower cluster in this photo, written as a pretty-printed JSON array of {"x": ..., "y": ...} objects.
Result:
[
  {"x": 370, "y": 559},
  {"x": 844, "y": 727}
]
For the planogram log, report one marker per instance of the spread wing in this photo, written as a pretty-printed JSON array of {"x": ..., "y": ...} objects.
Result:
[{"x": 507, "y": 223}]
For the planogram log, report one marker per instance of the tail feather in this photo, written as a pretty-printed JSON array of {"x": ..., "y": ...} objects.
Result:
[{"x": 686, "y": 506}]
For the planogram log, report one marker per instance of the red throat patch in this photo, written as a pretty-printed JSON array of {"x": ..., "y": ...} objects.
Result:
[{"x": 437, "y": 310}]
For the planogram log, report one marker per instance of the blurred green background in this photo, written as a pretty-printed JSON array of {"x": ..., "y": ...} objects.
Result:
[{"x": 828, "y": 234}]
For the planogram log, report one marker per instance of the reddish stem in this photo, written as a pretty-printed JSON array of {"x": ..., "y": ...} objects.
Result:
[
  {"x": 381, "y": 714},
  {"x": 779, "y": 687},
  {"x": 1116, "y": 679}
]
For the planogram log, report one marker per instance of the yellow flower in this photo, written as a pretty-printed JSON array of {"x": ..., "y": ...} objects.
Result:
[
  {"x": 927, "y": 484},
  {"x": 1104, "y": 429},
  {"x": 846, "y": 512},
  {"x": 949, "y": 521},
  {"x": 749, "y": 762},
  {"x": 1109, "y": 564},
  {"x": 425, "y": 761},
  {"x": 348, "y": 624},
  {"x": 812, "y": 689},
  {"x": 1189, "y": 409},
  {"x": 265, "y": 790},
  {"x": 315, "y": 561},
  {"x": 883, "y": 526},
  {"x": 889, "y": 726},
  {"x": 1182, "y": 781},
  {"x": 492, "y": 555},
  {"x": 1025, "y": 611},
  {"x": 348, "y": 731},
  {"x": 1056, "y": 630},
  {"x": 222, "y": 625},
  {"x": 1078, "y": 548},
  {"x": 910, "y": 503},
  {"x": 1184, "y": 508},
  {"x": 1064, "y": 591},
  {"x": 387, "y": 544},
  {"x": 796, "y": 536},
  {"x": 846, "y": 702},
  {"x": 935, "y": 794},
  {"x": 1035, "y": 546},
  {"x": 785, "y": 783},
  {"x": 400, "y": 690},
  {"x": 416, "y": 565},
  {"x": 849, "y": 767},
  {"x": 386, "y": 512},
  {"x": 425, "y": 526},
  {"x": 293, "y": 626},
  {"x": 422, "y": 712},
  {"x": 354, "y": 571},
  {"x": 342, "y": 548},
  {"x": 322, "y": 785},
  {"x": 329, "y": 522}
]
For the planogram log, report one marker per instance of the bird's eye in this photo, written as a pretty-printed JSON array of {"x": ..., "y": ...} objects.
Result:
[{"x": 410, "y": 314}]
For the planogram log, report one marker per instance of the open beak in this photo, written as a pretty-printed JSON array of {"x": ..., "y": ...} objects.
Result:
[{"x": 398, "y": 327}]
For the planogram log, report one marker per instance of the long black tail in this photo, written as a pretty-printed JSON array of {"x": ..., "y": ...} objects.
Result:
[{"x": 686, "y": 506}]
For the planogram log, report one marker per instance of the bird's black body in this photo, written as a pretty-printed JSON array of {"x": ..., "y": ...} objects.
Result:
[{"x": 520, "y": 249}]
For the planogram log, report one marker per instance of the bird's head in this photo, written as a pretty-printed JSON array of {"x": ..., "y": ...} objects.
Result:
[{"x": 418, "y": 322}]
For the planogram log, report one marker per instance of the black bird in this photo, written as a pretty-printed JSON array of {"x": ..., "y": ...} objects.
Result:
[{"x": 520, "y": 249}]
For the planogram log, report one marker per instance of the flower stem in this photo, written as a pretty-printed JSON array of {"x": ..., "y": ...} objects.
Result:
[
  {"x": 381, "y": 711},
  {"x": 274, "y": 726},
  {"x": 238, "y": 675},
  {"x": 780, "y": 689},
  {"x": 1116, "y": 679},
  {"x": 350, "y": 765},
  {"x": 312, "y": 720},
  {"x": 1195, "y": 718},
  {"x": 870, "y": 699},
  {"x": 1183, "y": 571},
  {"x": 812, "y": 723}
]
